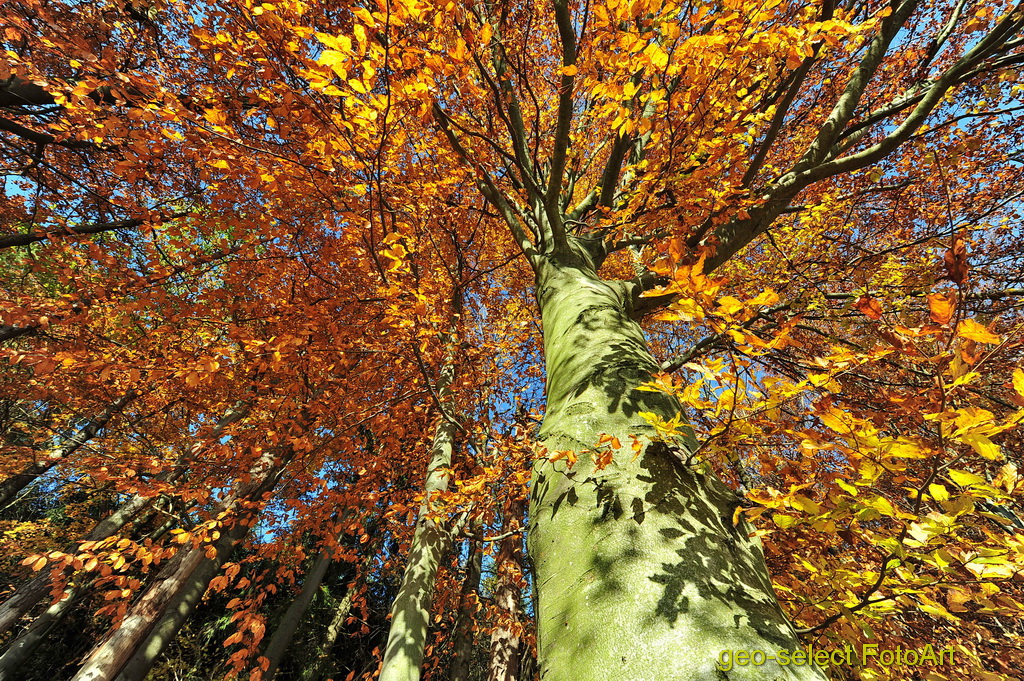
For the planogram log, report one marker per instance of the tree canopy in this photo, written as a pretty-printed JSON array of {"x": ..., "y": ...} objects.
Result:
[{"x": 312, "y": 311}]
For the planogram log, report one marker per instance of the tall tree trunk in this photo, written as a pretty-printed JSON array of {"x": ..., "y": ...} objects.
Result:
[
  {"x": 22, "y": 648},
  {"x": 10, "y": 487},
  {"x": 641, "y": 574},
  {"x": 182, "y": 604},
  {"x": 286, "y": 629},
  {"x": 462, "y": 648},
  {"x": 156, "y": 616},
  {"x": 505, "y": 639},
  {"x": 314, "y": 672},
  {"x": 410, "y": 613}
]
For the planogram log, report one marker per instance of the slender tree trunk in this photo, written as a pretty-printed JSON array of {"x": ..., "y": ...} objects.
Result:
[
  {"x": 31, "y": 592},
  {"x": 297, "y": 609},
  {"x": 463, "y": 646},
  {"x": 22, "y": 648},
  {"x": 18, "y": 653},
  {"x": 410, "y": 613},
  {"x": 156, "y": 616},
  {"x": 182, "y": 604},
  {"x": 34, "y": 590},
  {"x": 641, "y": 574},
  {"x": 505, "y": 640},
  {"x": 315, "y": 671},
  {"x": 10, "y": 487}
]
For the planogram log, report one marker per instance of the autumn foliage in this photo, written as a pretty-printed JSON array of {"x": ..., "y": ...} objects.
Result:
[{"x": 253, "y": 256}]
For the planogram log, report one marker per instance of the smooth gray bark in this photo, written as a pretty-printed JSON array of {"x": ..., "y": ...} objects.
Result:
[
  {"x": 640, "y": 573},
  {"x": 410, "y": 613},
  {"x": 191, "y": 590},
  {"x": 297, "y": 609},
  {"x": 462, "y": 648},
  {"x": 10, "y": 487}
]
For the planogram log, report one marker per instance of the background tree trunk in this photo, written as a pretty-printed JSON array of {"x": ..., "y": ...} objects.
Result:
[
  {"x": 19, "y": 652},
  {"x": 297, "y": 609},
  {"x": 410, "y": 613},
  {"x": 315, "y": 671},
  {"x": 157, "y": 615},
  {"x": 506, "y": 639},
  {"x": 462, "y": 648},
  {"x": 32, "y": 591},
  {"x": 183, "y": 603}
]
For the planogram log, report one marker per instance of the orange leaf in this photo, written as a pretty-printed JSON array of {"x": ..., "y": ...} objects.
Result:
[
  {"x": 955, "y": 262},
  {"x": 869, "y": 307},
  {"x": 940, "y": 307}
]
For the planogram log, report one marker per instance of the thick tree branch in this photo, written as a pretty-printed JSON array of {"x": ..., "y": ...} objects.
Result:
[
  {"x": 13, "y": 240},
  {"x": 567, "y": 35},
  {"x": 735, "y": 234},
  {"x": 844, "y": 108},
  {"x": 490, "y": 191},
  {"x": 43, "y": 138}
]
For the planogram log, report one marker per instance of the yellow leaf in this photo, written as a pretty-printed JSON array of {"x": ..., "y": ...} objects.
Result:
[
  {"x": 964, "y": 479},
  {"x": 766, "y": 297},
  {"x": 806, "y": 505},
  {"x": 340, "y": 43},
  {"x": 938, "y": 492},
  {"x": 658, "y": 56},
  {"x": 982, "y": 445},
  {"x": 336, "y": 61},
  {"x": 881, "y": 504},
  {"x": 688, "y": 309},
  {"x": 364, "y": 16},
  {"x": 784, "y": 521},
  {"x": 566, "y": 454},
  {"x": 1018, "y": 381},
  {"x": 729, "y": 305},
  {"x": 972, "y": 330},
  {"x": 847, "y": 487}
]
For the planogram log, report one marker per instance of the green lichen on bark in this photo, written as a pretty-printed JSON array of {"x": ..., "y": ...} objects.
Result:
[{"x": 641, "y": 573}]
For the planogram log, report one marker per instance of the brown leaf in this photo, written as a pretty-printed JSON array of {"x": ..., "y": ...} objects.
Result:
[{"x": 955, "y": 262}]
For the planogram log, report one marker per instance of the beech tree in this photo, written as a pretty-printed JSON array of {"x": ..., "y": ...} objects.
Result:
[{"x": 768, "y": 254}]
